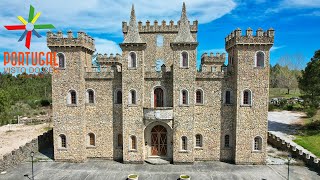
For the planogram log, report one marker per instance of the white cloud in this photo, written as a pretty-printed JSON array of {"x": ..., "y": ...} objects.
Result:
[
  {"x": 106, "y": 16},
  {"x": 106, "y": 46},
  {"x": 294, "y": 4},
  {"x": 276, "y": 48}
]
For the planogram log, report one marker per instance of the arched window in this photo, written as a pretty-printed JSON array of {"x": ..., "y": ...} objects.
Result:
[
  {"x": 246, "y": 97},
  {"x": 120, "y": 140},
  {"x": 133, "y": 143},
  {"x": 184, "y": 59},
  {"x": 92, "y": 139},
  {"x": 184, "y": 143},
  {"x": 228, "y": 97},
  {"x": 260, "y": 59},
  {"x": 63, "y": 141},
  {"x": 61, "y": 59},
  {"x": 72, "y": 97},
  {"x": 226, "y": 141},
  {"x": 90, "y": 96},
  {"x": 132, "y": 63},
  {"x": 199, "y": 96},
  {"x": 184, "y": 97},
  {"x": 213, "y": 69},
  {"x": 198, "y": 140},
  {"x": 158, "y": 96},
  {"x": 159, "y": 40},
  {"x": 118, "y": 98},
  {"x": 258, "y": 143},
  {"x": 132, "y": 97}
]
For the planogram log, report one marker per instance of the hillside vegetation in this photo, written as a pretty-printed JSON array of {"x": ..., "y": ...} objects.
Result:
[{"x": 23, "y": 95}]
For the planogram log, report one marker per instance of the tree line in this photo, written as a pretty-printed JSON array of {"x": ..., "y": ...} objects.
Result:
[{"x": 290, "y": 73}]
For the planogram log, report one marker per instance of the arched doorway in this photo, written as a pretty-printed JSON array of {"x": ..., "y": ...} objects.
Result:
[
  {"x": 158, "y": 97},
  {"x": 159, "y": 141}
]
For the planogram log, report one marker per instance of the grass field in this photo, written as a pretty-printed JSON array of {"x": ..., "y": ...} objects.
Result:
[
  {"x": 309, "y": 138},
  {"x": 282, "y": 92},
  {"x": 310, "y": 142}
]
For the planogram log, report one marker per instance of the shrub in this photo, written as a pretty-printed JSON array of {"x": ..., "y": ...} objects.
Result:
[
  {"x": 45, "y": 102},
  {"x": 289, "y": 107},
  {"x": 311, "y": 112},
  {"x": 271, "y": 107},
  {"x": 282, "y": 102},
  {"x": 33, "y": 103},
  {"x": 313, "y": 125},
  {"x": 43, "y": 113}
]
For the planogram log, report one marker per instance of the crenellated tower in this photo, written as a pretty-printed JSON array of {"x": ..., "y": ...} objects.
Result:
[
  {"x": 133, "y": 92},
  {"x": 184, "y": 72},
  {"x": 212, "y": 63},
  {"x": 248, "y": 68},
  {"x": 74, "y": 54}
]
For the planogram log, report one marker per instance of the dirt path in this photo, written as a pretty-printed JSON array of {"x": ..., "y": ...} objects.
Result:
[
  {"x": 15, "y": 135},
  {"x": 285, "y": 125}
]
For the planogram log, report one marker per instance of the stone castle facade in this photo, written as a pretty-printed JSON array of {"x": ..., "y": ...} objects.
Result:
[{"x": 151, "y": 102}]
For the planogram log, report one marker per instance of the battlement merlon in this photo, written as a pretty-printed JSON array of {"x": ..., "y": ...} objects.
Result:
[
  {"x": 82, "y": 40},
  {"x": 260, "y": 38},
  {"x": 109, "y": 60},
  {"x": 163, "y": 27},
  {"x": 213, "y": 59}
]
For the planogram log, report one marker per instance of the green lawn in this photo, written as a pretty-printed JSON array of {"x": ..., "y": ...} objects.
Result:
[
  {"x": 309, "y": 137},
  {"x": 282, "y": 92},
  {"x": 310, "y": 142}
]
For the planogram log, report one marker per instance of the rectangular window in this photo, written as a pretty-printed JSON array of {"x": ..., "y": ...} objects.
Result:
[
  {"x": 228, "y": 97},
  {"x": 184, "y": 143},
  {"x": 227, "y": 141}
]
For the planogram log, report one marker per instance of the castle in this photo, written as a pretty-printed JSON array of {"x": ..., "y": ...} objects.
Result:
[{"x": 151, "y": 102}]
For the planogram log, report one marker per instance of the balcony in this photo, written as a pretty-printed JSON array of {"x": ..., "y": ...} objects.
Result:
[{"x": 160, "y": 113}]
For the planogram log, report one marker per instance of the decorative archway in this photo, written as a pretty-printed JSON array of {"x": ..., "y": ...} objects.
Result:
[
  {"x": 159, "y": 141},
  {"x": 158, "y": 97}
]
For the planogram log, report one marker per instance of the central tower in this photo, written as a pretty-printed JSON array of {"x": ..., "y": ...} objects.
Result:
[{"x": 184, "y": 75}]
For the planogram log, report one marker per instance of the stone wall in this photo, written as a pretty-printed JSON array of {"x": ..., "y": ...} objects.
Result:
[
  {"x": 297, "y": 153},
  {"x": 17, "y": 156}
]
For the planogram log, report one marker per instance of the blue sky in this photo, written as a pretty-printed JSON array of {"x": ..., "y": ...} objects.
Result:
[{"x": 296, "y": 22}]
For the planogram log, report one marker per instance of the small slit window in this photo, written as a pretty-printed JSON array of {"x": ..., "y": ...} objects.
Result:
[
  {"x": 63, "y": 141},
  {"x": 72, "y": 97},
  {"x": 120, "y": 140},
  {"x": 90, "y": 96},
  {"x": 246, "y": 97},
  {"x": 198, "y": 140},
  {"x": 199, "y": 96},
  {"x": 118, "y": 98},
  {"x": 184, "y": 143},
  {"x": 184, "y": 59},
  {"x": 132, "y": 60},
  {"x": 61, "y": 60},
  {"x": 184, "y": 97},
  {"x": 257, "y": 143},
  {"x": 92, "y": 139},
  {"x": 228, "y": 97},
  {"x": 226, "y": 141},
  {"x": 260, "y": 59},
  {"x": 132, "y": 97},
  {"x": 133, "y": 143}
]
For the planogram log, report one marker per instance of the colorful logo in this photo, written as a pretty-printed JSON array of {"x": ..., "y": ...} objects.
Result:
[{"x": 29, "y": 27}]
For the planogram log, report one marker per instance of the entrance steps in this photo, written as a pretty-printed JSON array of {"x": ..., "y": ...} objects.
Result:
[{"x": 157, "y": 161}]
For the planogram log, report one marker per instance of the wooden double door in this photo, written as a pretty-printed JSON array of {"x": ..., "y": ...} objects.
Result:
[{"x": 159, "y": 141}]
